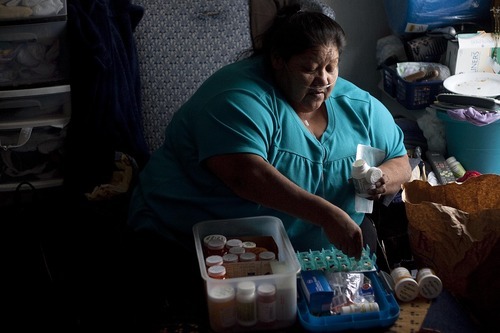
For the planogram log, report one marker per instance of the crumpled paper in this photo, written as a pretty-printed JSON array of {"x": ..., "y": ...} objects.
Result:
[
  {"x": 120, "y": 180},
  {"x": 455, "y": 230}
]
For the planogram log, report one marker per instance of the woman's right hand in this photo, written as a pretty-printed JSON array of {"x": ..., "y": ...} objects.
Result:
[{"x": 344, "y": 234}]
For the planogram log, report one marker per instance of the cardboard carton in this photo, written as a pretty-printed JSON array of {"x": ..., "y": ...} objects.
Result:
[{"x": 473, "y": 53}]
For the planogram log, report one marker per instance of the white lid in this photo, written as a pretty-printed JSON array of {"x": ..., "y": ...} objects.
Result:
[
  {"x": 215, "y": 244},
  {"x": 230, "y": 257},
  {"x": 267, "y": 255},
  {"x": 234, "y": 242},
  {"x": 213, "y": 260},
  {"x": 221, "y": 293},
  {"x": 406, "y": 289},
  {"x": 249, "y": 245},
  {"x": 248, "y": 256},
  {"x": 430, "y": 286},
  {"x": 360, "y": 163},
  {"x": 246, "y": 287},
  {"x": 451, "y": 159},
  {"x": 266, "y": 289},
  {"x": 237, "y": 250},
  {"x": 208, "y": 238},
  {"x": 359, "y": 167},
  {"x": 216, "y": 271},
  {"x": 373, "y": 175}
]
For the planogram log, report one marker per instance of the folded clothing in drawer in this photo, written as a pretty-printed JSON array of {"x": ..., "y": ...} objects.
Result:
[
  {"x": 30, "y": 10},
  {"x": 33, "y": 54}
]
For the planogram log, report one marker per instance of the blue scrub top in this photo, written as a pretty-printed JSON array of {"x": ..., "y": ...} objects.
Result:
[{"x": 239, "y": 110}]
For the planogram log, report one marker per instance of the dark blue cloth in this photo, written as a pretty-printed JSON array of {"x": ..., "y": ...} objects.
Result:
[{"x": 105, "y": 90}]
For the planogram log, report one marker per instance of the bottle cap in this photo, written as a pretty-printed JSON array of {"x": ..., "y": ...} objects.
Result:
[
  {"x": 360, "y": 166},
  {"x": 406, "y": 289},
  {"x": 429, "y": 284},
  {"x": 214, "y": 236},
  {"x": 246, "y": 287},
  {"x": 221, "y": 293},
  {"x": 248, "y": 256},
  {"x": 213, "y": 260},
  {"x": 373, "y": 175},
  {"x": 267, "y": 255},
  {"x": 266, "y": 289},
  {"x": 237, "y": 250},
  {"x": 216, "y": 271},
  {"x": 230, "y": 258},
  {"x": 215, "y": 244},
  {"x": 249, "y": 245},
  {"x": 451, "y": 159},
  {"x": 234, "y": 243}
]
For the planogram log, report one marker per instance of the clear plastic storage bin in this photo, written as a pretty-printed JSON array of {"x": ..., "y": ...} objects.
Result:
[{"x": 267, "y": 232}]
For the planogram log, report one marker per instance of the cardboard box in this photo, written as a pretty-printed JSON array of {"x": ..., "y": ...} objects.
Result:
[
  {"x": 317, "y": 291},
  {"x": 473, "y": 53}
]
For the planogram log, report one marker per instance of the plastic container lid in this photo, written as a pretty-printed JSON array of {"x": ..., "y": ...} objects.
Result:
[
  {"x": 406, "y": 289},
  {"x": 429, "y": 284},
  {"x": 234, "y": 243},
  {"x": 214, "y": 236},
  {"x": 267, "y": 255},
  {"x": 230, "y": 258},
  {"x": 246, "y": 288},
  {"x": 248, "y": 256},
  {"x": 249, "y": 245},
  {"x": 216, "y": 271},
  {"x": 237, "y": 250},
  {"x": 215, "y": 244},
  {"x": 213, "y": 260},
  {"x": 222, "y": 293},
  {"x": 373, "y": 175},
  {"x": 266, "y": 289}
]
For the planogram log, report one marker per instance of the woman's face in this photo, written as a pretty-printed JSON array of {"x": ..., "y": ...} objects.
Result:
[{"x": 307, "y": 79}]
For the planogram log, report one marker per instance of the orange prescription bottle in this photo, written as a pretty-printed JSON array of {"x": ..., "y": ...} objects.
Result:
[{"x": 222, "y": 307}]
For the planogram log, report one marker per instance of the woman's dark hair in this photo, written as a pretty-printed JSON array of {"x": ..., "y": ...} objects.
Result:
[{"x": 294, "y": 31}]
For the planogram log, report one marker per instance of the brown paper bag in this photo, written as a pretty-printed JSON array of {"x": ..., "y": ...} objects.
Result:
[{"x": 455, "y": 230}]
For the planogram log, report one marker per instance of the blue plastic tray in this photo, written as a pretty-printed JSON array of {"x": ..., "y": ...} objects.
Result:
[{"x": 388, "y": 314}]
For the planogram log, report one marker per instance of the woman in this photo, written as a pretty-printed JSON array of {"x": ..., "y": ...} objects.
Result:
[{"x": 272, "y": 134}]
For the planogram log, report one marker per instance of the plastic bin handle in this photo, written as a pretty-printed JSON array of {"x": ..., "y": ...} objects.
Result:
[
  {"x": 24, "y": 136},
  {"x": 20, "y": 104},
  {"x": 18, "y": 37}
]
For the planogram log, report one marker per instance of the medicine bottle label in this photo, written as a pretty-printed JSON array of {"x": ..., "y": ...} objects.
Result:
[
  {"x": 429, "y": 284},
  {"x": 246, "y": 306},
  {"x": 266, "y": 303},
  {"x": 405, "y": 287},
  {"x": 222, "y": 307}
]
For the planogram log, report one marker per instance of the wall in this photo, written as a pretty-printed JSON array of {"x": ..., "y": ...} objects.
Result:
[{"x": 364, "y": 22}]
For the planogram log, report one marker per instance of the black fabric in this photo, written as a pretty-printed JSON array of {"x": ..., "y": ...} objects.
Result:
[
  {"x": 369, "y": 233},
  {"x": 105, "y": 91},
  {"x": 392, "y": 227},
  {"x": 166, "y": 284}
]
